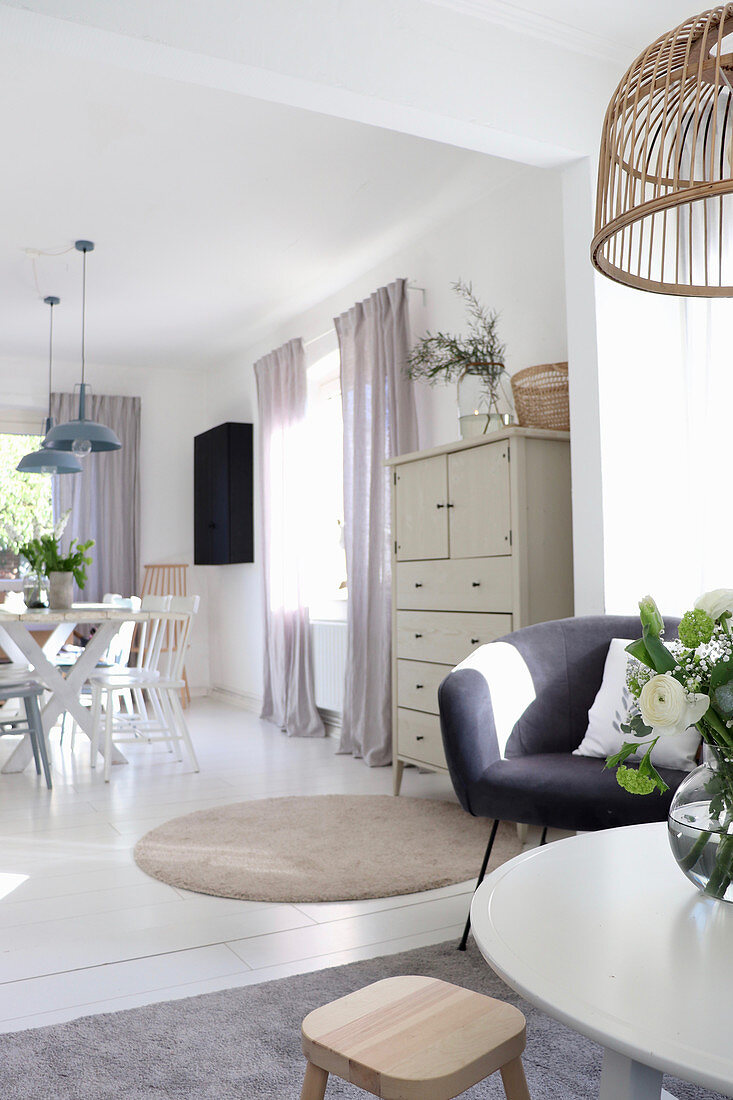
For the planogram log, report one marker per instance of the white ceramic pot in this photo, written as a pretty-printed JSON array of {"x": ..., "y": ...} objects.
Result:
[{"x": 60, "y": 590}]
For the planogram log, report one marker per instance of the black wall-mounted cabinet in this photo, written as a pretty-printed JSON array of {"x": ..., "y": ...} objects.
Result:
[{"x": 223, "y": 531}]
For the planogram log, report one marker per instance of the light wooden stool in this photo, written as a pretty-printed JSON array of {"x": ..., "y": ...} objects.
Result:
[{"x": 414, "y": 1038}]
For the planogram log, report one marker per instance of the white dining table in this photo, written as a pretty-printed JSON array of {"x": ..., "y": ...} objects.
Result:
[
  {"x": 605, "y": 933},
  {"x": 63, "y": 684}
]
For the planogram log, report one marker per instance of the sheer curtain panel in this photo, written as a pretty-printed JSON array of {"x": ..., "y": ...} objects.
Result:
[
  {"x": 288, "y": 696},
  {"x": 105, "y": 497},
  {"x": 379, "y": 422}
]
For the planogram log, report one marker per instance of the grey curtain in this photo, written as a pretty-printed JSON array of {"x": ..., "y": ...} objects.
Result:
[
  {"x": 105, "y": 497},
  {"x": 379, "y": 422},
  {"x": 288, "y": 696}
]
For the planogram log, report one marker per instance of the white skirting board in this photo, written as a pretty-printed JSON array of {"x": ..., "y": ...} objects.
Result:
[{"x": 253, "y": 703}]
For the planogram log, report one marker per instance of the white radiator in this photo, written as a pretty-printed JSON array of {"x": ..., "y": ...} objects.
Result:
[{"x": 328, "y": 642}]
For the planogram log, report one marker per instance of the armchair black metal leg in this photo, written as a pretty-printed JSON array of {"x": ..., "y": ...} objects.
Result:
[
  {"x": 482, "y": 872},
  {"x": 543, "y": 839}
]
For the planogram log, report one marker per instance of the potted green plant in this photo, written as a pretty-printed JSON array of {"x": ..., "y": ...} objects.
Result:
[
  {"x": 478, "y": 357},
  {"x": 45, "y": 558}
]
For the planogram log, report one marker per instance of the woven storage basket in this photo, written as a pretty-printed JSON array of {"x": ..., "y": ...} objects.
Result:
[{"x": 541, "y": 397}]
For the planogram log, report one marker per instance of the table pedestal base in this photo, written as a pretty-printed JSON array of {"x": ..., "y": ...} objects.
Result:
[{"x": 622, "y": 1077}]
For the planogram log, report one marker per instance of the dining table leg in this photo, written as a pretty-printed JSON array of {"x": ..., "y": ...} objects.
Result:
[
  {"x": 15, "y": 638},
  {"x": 624, "y": 1079}
]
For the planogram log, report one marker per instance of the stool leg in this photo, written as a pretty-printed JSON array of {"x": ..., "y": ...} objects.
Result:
[
  {"x": 314, "y": 1084},
  {"x": 515, "y": 1083}
]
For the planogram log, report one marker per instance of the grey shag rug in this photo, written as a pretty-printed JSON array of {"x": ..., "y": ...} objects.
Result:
[
  {"x": 322, "y": 848},
  {"x": 244, "y": 1044}
]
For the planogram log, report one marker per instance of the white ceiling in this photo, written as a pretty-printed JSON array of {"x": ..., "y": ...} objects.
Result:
[
  {"x": 216, "y": 215},
  {"x": 616, "y": 29},
  {"x": 211, "y": 212}
]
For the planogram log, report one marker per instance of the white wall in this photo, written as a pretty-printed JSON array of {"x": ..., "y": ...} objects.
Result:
[
  {"x": 172, "y": 412},
  {"x": 510, "y": 246},
  {"x": 463, "y": 74}
]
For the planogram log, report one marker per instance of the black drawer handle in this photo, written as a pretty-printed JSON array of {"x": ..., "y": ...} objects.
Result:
[
  {"x": 450, "y": 505},
  {"x": 418, "y": 584},
  {"x": 419, "y": 687},
  {"x": 420, "y": 737},
  {"x": 418, "y": 635},
  {"x": 440, "y": 505},
  {"x": 475, "y": 641},
  {"x": 475, "y": 584}
]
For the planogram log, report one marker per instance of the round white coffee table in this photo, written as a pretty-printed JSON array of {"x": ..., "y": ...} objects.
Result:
[{"x": 604, "y": 932}]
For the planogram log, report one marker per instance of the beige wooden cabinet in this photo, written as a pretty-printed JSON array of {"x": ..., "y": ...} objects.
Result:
[{"x": 482, "y": 545}]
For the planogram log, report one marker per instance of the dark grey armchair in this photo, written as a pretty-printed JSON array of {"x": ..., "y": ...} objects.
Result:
[{"x": 510, "y": 726}]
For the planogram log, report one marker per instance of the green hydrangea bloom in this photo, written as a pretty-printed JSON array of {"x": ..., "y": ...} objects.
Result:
[
  {"x": 632, "y": 781},
  {"x": 696, "y": 628}
]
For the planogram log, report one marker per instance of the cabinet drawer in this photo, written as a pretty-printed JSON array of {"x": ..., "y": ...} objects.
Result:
[
  {"x": 446, "y": 637},
  {"x": 417, "y": 684},
  {"x": 467, "y": 584},
  {"x": 418, "y": 737}
]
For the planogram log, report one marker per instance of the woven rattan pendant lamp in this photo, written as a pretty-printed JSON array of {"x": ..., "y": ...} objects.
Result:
[{"x": 664, "y": 209}]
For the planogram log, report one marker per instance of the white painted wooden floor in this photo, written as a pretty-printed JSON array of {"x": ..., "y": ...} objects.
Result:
[{"x": 83, "y": 930}]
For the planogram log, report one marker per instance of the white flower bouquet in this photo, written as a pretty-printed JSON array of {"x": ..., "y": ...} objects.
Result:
[{"x": 678, "y": 684}]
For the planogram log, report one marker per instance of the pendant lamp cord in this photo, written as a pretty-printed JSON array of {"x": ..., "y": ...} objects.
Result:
[
  {"x": 50, "y": 359},
  {"x": 83, "y": 311}
]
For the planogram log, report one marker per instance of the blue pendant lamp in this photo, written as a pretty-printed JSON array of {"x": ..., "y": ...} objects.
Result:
[
  {"x": 82, "y": 435},
  {"x": 46, "y": 460}
]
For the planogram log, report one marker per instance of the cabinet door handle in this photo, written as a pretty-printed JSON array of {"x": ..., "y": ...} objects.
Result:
[
  {"x": 475, "y": 641},
  {"x": 418, "y": 635},
  {"x": 441, "y": 506},
  {"x": 450, "y": 505},
  {"x": 420, "y": 737},
  {"x": 418, "y": 584},
  {"x": 418, "y": 687},
  {"x": 212, "y": 526},
  {"x": 475, "y": 584}
]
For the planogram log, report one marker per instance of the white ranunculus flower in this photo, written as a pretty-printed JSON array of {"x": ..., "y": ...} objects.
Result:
[
  {"x": 667, "y": 707},
  {"x": 714, "y": 603}
]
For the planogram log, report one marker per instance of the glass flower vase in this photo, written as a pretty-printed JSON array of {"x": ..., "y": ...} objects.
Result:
[
  {"x": 35, "y": 591},
  {"x": 477, "y": 411},
  {"x": 700, "y": 825}
]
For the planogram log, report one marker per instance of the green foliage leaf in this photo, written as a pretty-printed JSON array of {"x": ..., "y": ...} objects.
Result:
[
  {"x": 662, "y": 659},
  {"x": 636, "y": 726},
  {"x": 443, "y": 357},
  {"x": 648, "y": 771},
  {"x": 638, "y": 649},
  {"x": 626, "y": 750},
  {"x": 44, "y": 555},
  {"x": 721, "y": 689},
  {"x": 25, "y": 499}
]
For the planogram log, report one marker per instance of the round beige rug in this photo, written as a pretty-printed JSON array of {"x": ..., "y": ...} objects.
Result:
[{"x": 322, "y": 848}]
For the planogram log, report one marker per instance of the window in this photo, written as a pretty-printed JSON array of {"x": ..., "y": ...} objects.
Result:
[
  {"x": 25, "y": 502},
  {"x": 326, "y": 556}
]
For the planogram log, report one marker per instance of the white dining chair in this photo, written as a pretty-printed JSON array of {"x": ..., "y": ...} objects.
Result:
[
  {"x": 117, "y": 653},
  {"x": 156, "y": 678}
]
